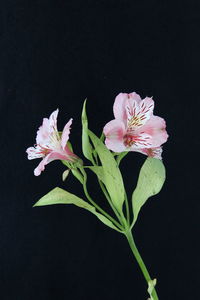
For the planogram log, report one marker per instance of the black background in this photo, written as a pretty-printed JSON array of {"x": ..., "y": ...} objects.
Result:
[{"x": 55, "y": 54}]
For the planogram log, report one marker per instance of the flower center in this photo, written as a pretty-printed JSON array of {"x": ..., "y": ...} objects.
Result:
[
  {"x": 138, "y": 140},
  {"x": 43, "y": 150},
  {"x": 129, "y": 140}
]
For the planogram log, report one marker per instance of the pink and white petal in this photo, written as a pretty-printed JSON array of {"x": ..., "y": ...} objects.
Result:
[
  {"x": 134, "y": 96},
  {"x": 139, "y": 112},
  {"x": 157, "y": 152},
  {"x": 43, "y": 132},
  {"x": 119, "y": 109},
  {"x": 114, "y": 129},
  {"x": 132, "y": 107},
  {"x": 65, "y": 134},
  {"x": 141, "y": 140},
  {"x": 53, "y": 121},
  {"x": 34, "y": 152},
  {"x": 115, "y": 145},
  {"x": 152, "y": 152},
  {"x": 156, "y": 127},
  {"x": 47, "y": 159},
  {"x": 69, "y": 154},
  {"x": 114, "y": 132},
  {"x": 147, "y": 107}
]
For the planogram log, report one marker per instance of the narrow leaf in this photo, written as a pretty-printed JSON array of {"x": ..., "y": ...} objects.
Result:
[
  {"x": 60, "y": 196},
  {"x": 112, "y": 177},
  {"x": 98, "y": 170},
  {"x": 86, "y": 146},
  {"x": 150, "y": 182},
  {"x": 65, "y": 174},
  {"x": 78, "y": 175},
  {"x": 121, "y": 156}
]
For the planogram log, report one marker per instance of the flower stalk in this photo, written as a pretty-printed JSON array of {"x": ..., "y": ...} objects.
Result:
[{"x": 140, "y": 261}]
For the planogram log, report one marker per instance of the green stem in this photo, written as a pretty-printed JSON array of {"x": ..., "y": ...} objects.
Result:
[
  {"x": 118, "y": 160},
  {"x": 95, "y": 204},
  {"x": 109, "y": 201},
  {"x": 143, "y": 268},
  {"x": 120, "y": 157},
  {"x": 127, "y": 209}
]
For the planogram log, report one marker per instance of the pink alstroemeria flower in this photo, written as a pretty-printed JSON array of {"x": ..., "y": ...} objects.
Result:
[
  {"x": 135, "y": 128},
  {"x": 50, "y": 145}
]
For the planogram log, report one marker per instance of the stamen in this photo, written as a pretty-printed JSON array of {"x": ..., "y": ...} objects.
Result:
[{"x": 130, "y": 140}]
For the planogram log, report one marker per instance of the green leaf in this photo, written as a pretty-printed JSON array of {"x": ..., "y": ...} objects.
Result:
[
  {"x": 98, "y": 170},
  {"x": 78, "y": 175},
  {"x": 65, "y": 174},
  {"x": 112, "y": 177},
  {"x": 121, "y": 156},
  {"x": 86, "y": 146},
  {"x": 150, "y": 182},
  {"x": 60, "y": 196}
]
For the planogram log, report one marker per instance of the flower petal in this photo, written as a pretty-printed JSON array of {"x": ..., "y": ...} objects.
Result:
[
  {"x": 151, "y": 152},
  {"x": 134, "y": 96},
  {"x": 114, "y": 132},
  {"x": 69, "y": 154},
  {"x": 53, "y": 121},
  {"x": 43, "y": 133},
  {"x": 34, "y": 152},
  {"x": 47, "y": 159},
  {"x": 65, "y": 134},
  {"x": 155, "y": 127},
  {"x": 47, "y": 128},
  {"x": 119, "y": 107},
  {"x": 138, "y": 112}
]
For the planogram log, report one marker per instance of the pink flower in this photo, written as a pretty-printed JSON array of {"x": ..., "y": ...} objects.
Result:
[
  {"x": 135, "y": 128},
  {"x": 50, "y": 145}
]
